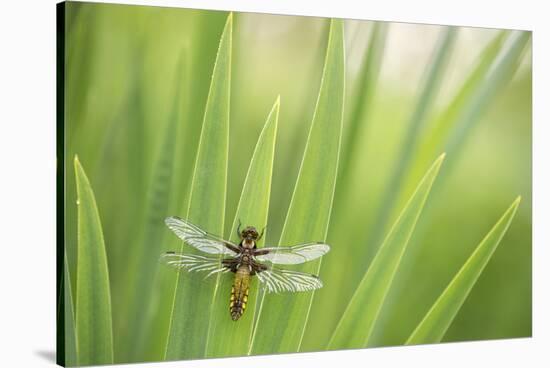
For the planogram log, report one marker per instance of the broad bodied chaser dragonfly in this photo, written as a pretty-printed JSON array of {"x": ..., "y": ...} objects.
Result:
[{"x": 245, "y": 260}]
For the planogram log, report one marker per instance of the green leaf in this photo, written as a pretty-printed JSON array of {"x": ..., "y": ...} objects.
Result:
[
  {"x": 282, "y": 318},
  {"x": 192, "y": 307},
  {"x": 357, "y": 322},
  {"x": 451, "y": 129},
  {"x": 226, "y": 336},
  {"x": 70, "y": 330},
  {"x": 93, "y": 297},
  {"x": 327, "y": 299},
  {"x": 434, "y": 75},
  {"x": 441, "y": 315}
]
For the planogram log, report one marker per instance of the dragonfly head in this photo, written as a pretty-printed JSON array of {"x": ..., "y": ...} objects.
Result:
[{"x": 249, "y": 233}]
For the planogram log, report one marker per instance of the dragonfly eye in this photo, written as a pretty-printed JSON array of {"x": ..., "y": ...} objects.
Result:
[{"x": 250, "y": 233}]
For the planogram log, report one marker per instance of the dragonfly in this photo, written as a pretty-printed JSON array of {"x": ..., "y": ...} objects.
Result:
[{"x": 245, "y": 260}]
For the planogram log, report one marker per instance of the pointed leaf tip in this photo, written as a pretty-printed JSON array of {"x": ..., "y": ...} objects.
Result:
[{"x": 436, "y": 322}]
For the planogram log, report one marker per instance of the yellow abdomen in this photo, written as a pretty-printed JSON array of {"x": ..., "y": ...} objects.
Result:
[{"x": 239, "y": 293}]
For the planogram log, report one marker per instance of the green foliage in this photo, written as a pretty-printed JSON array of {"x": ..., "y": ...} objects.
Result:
[
  {"x": 441, "y": 315},
  {"x": 188, "y": 332},
  {"x": 324, "y": 301},
  {"x": 282, "y": 318},
  {"x": 93, "y": 297},
  {"x": 141, "y": 263},
  {"x": 434, "y": 75},
  {"x": 149, "y": 100},
  {"x": 356, "y": 325}
]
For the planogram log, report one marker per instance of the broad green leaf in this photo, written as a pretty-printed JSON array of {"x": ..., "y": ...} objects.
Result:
[
  {"x": 93, "y": 297},
  {"x": 418, "y": 119},
  {"x": 282, "y": 318},
  {"x": 192, "y": 307},
  {"x": 226, "y": 336},
  {"x": 440, "y": 316},
  {"x": 70, "y": 330},
  {"x": 359, "y": 318},
  {"x": 204, "y": 31},
  {"x": 326, "y": 300}
]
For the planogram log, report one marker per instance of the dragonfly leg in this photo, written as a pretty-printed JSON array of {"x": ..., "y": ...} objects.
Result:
[{"x": 231, "y": 263}]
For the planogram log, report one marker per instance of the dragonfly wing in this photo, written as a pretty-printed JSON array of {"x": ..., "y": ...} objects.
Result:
[
  {"x": 293, "y": 255},
  {"x": 198, "y": 238},
  {"x": 194, "y": 263},
  {"x": 276, "y": 280}
]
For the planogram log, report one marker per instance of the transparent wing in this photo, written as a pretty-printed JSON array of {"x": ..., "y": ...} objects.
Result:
[
  {"x": 193, "y": 263},
  {"x": 293, "y": 255},
  {"x": 276, "y": 281},
  {"x": 198, "y": 238}
]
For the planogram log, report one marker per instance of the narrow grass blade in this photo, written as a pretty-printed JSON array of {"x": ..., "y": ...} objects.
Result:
[
  {"x": 359, "y": 318},
  {"x": 282, "y": 318},
  {"x": 227, "y": 337},
  {"x": 441, "y": 315},
  {"x": 192, "y": 307},
  {"x": 93, "y": 297},
  {"x": 70, "y": 328},
  {"x": 432, "y": 81}
]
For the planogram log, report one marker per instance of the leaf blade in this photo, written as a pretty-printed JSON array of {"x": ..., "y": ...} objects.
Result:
[
  {"x": 314, "y": 190},
  {"x": 451, "y": 130},
  {"x": 435, "y": 323},
  {"x": 227, "y": 337},
  {"x": 93, "y": 298},
  {"x": 70, "y": 340},
  {"x": 327, "y": 299},
  {"x": 359, "y": 318},
  {"x": 188, "y": 330}
]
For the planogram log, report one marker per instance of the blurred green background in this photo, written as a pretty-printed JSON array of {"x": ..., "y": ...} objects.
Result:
[{"x": 136, "y": 85}]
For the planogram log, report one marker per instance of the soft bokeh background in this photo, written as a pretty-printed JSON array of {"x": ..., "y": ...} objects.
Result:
[{"x": 136, "y": 75}]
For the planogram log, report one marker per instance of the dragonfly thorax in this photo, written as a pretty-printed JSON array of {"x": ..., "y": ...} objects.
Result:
[{"x": 248, "y": 243}]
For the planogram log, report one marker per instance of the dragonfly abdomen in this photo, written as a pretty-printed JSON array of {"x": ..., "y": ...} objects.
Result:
[{"x": 239, "y": 292}]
